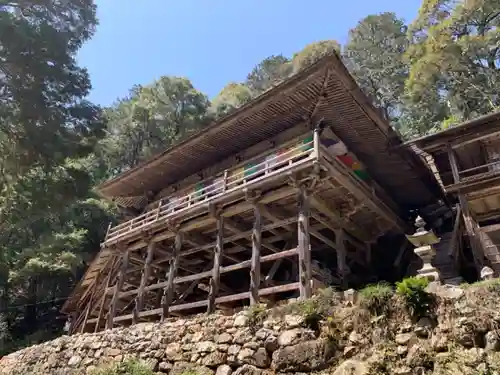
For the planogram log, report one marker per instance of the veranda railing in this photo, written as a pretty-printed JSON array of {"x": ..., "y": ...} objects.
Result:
[{"x": 229, "y": 182}]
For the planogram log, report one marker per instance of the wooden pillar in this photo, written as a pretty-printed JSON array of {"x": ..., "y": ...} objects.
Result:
[
  {"x": 168, "y": 292},
  {"x": 256, "y": 245},
  {"x": 104, "y": 294},
  {"x": 303, "y": 245},
  {"x": 89, "y": 307},
  {"x": 118, "y": 288},
  {"x": 146, "y": 272},
  {"x": 87, "y": 313},
  {"x": 477, "y": 250},
  {"x": 341, "y": 256},
  {"x": 72, "y": 324},
  {"x": 215, "y": 280}
]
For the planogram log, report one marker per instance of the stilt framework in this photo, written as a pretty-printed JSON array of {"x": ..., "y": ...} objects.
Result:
[
  {"x": 241, "y": 245},
  {"x": 293, "y": 205}
]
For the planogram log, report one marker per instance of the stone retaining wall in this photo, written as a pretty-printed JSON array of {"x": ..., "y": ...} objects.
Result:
[
  {"x": 205, "y": 345},
  {"x": 459, "y": 335}
]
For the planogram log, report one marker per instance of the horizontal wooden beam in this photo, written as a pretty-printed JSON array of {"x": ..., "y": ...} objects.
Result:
[
  {"x": 338, "y": 221},
  {"x": 202, "y": 275},
  {"x": 373, "y": 202},
  {"x": 238, "y": 228},
  {"x": 203, "y": 303},
  {"x": 238, "y": 236},
  {"x": 228, "y": 211}
]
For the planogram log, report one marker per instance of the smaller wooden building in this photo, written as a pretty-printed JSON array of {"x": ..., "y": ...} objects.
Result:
[
  {"x": 466, "y": 161},
  {"x": 295, "y": 190}
]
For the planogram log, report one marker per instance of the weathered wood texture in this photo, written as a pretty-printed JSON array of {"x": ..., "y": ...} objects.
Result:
[
  {"x": 255, "y": 267},
  {"x": 139, "y": 302},
  {"x": 168, "y": 291},
  {"x": 118, "y": 288},
  {"x": 215, "y": 279},
  {"x": 341, "y": 256},
  {"x": 470, "y": 224},
  {"x": 304, "y": 244}
]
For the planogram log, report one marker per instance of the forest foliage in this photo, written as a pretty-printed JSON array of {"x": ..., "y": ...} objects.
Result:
[{"x": 438, "y": 70}]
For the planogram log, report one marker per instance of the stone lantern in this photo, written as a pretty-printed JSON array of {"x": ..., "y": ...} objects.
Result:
[
  {"x": 487, "y": 273},
  {"x": 424, "y": 241}
]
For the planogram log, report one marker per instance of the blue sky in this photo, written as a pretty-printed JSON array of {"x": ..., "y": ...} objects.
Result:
[{"x": 212, "y": 42}]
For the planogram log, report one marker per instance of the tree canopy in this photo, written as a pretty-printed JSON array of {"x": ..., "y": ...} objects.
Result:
[
  {"x": 55, "y": 146},
  {"x": 374, "y": 55}
]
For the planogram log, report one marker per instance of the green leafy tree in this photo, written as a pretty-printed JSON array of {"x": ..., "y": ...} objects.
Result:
[
  {"x": 455, "y": 59},
  {"x": 313, "y": 52},
  {"x": 268, "y": 73},
  {"x": 231, "y": 97},
  {"x": 152, "y": 118},
  {"x": 48, "y": 132},
  {"x": 374, "y": 56},
  {"x": 43, "y": 115}
]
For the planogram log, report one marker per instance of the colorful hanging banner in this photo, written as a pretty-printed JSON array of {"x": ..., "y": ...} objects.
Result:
[
  {"x": 198, "y": 191},
  {"x": 308, "y": 144},
  {"x": 339, "y": 150}
]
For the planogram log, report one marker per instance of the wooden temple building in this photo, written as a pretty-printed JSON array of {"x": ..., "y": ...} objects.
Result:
[
  {"x": 304, "y": 187},
  {"x": 466, "y": 162}
]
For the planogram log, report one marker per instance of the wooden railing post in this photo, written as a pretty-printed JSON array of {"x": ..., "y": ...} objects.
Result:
[
  {"x": 146, "y": 272},
  {"x": 107, "y": 231},
  {"x": 304, "y": 248},
  {"x": 215, "y": 279},
  {"x": 168, "y": 291},
  {"x": 316, "y": 141},
  {"x": 224, "y": 186},
  {"x": 256, "y": 245},
  {"x": 118, "y": 288},
  {"x": 158, "y": 209}
]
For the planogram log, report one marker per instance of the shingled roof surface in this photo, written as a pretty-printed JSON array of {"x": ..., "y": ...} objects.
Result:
[{"x": 323, "y": 91}]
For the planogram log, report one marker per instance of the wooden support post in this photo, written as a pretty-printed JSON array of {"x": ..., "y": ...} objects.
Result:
[
  {"x": 87, "y": 313},
  {"x": 72, "y": 324},
  {"x": 215, "y": 280},
  {"x": 118, "y": 288},
  {"x": 477, "y": 250},
  {"x": 304, "y": 247},
  {"x": 90, "y": 305},
  {"x": 168, "y": 292},
  {"x": 256, "y": 244},
  {"x": 341, "y": 256},
  {"x": 452, "y": 247},
  {"x": 139, "y": 301},
  {"x": 104, "y": 294}
]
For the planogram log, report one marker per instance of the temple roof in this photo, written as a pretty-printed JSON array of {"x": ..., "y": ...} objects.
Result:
[{"x": 324, "y": 91}]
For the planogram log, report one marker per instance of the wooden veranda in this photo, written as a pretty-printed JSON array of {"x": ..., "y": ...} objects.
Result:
[{"x": 300, "y": 200}]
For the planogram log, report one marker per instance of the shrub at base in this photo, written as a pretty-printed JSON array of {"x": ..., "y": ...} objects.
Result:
[
  {"x": 375, "y": 298},
  {"x": 417, "y": 300}
]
